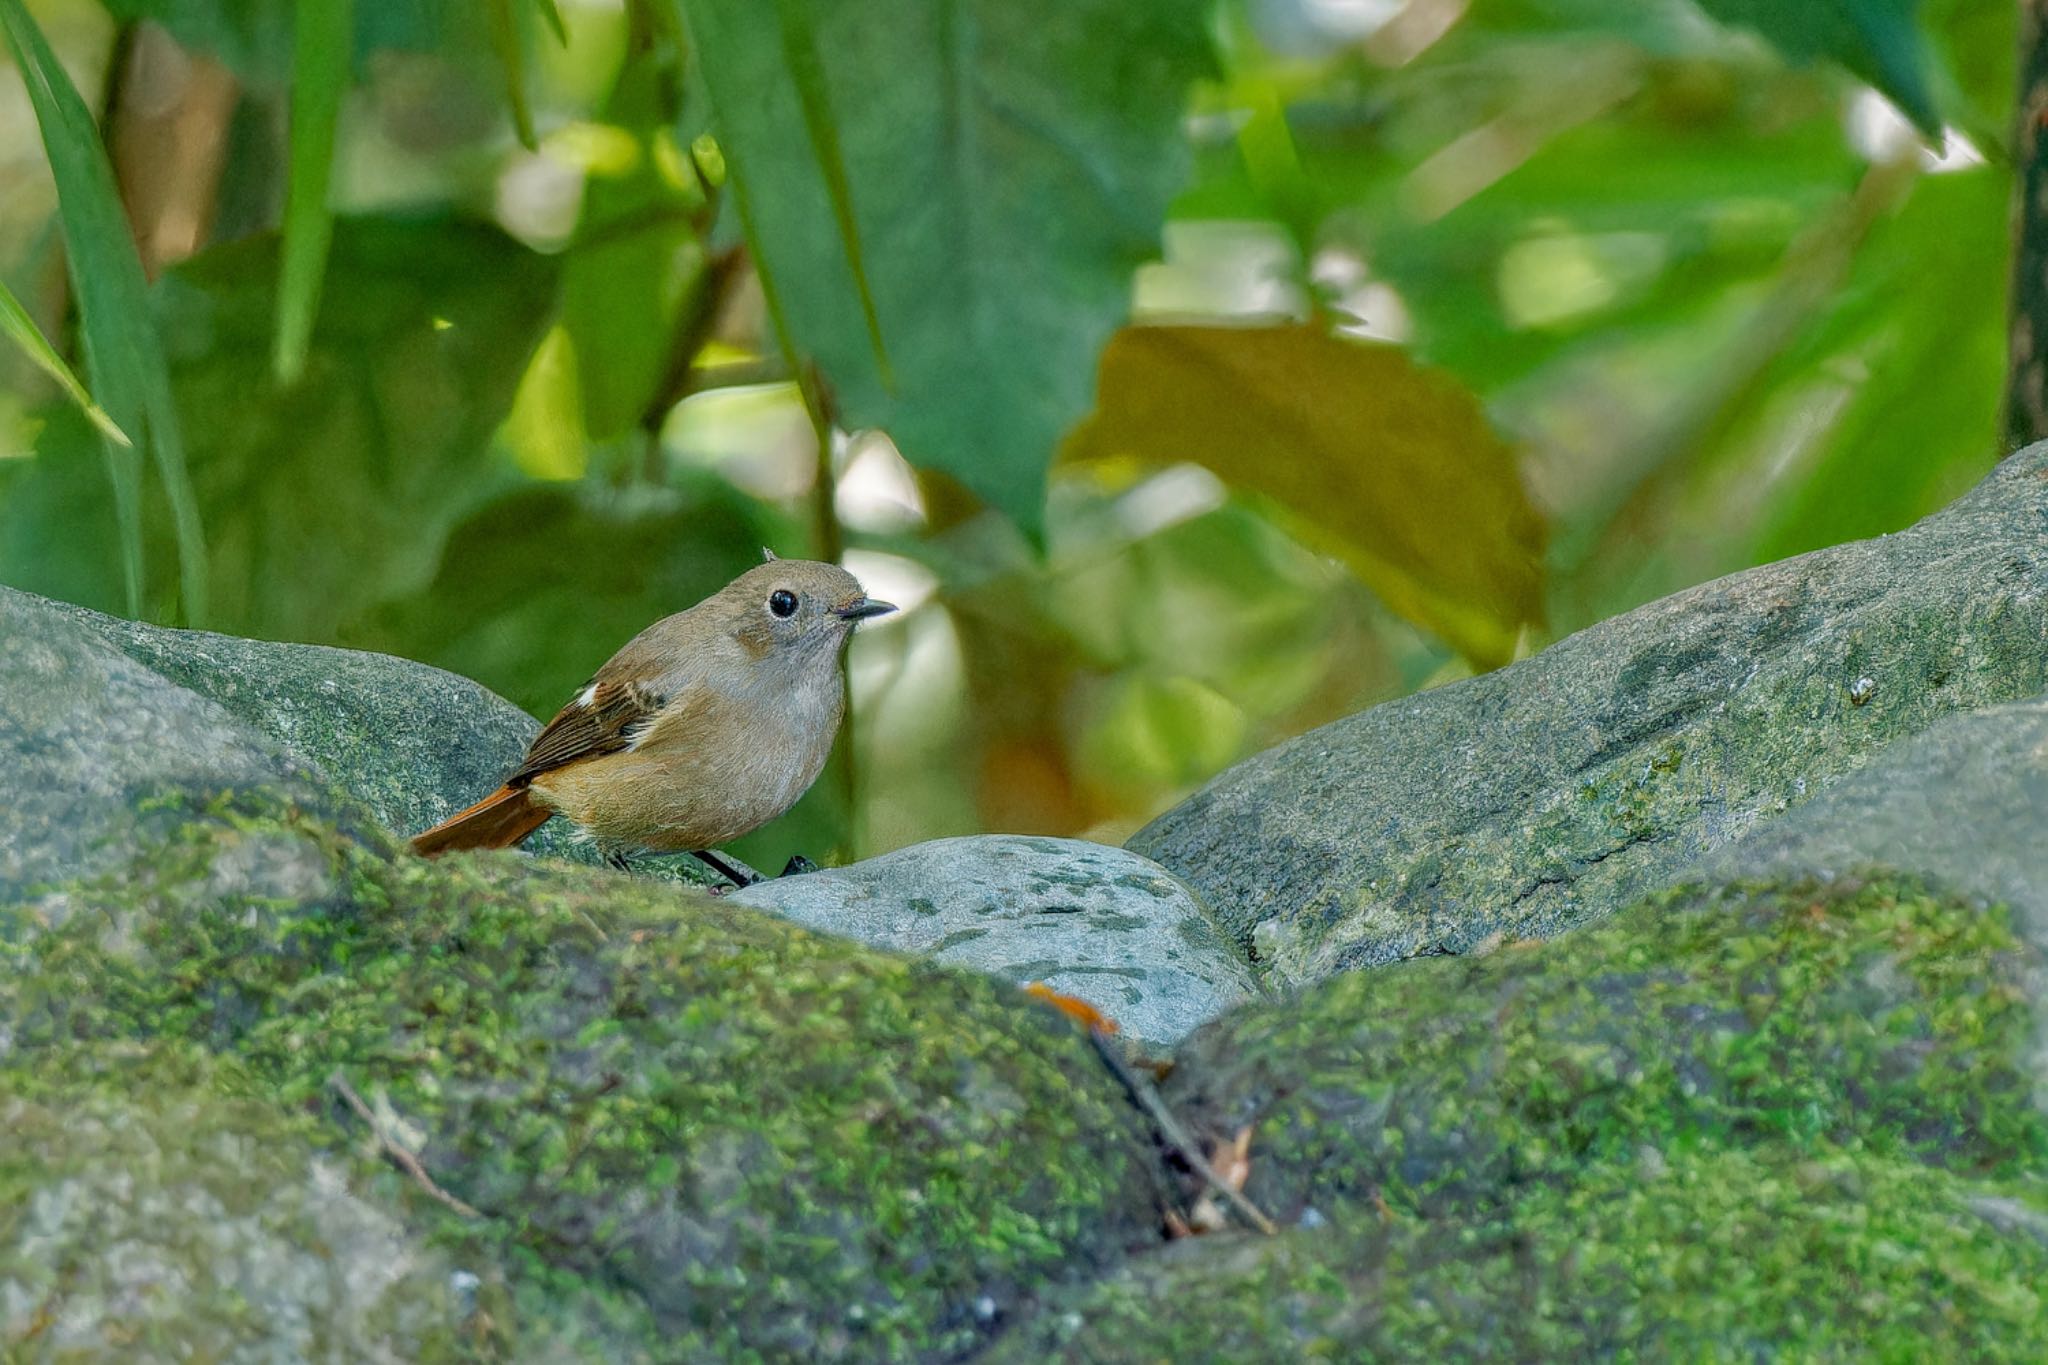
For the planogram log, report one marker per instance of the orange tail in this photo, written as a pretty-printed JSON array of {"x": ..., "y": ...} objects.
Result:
[{"x": 500, "y": 820}]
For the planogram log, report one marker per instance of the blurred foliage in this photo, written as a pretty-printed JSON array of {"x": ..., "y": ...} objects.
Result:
[{"x": 1417, "y": 332}]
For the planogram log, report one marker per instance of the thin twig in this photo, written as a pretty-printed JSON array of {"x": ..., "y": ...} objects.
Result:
[
  {"x": 395, "y": 1149},
  {"x": 1176, "y": 1136}
]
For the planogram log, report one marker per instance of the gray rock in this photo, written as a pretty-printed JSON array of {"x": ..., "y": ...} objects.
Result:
[
  {"x": 1090, "y": 921},
  {"x": 412, "y": 743},
  {"x": 161, "y": 1215},
  {"x": 1550, "y": 793},
  {"x": 84, "y": 730},
  {"x": 1964, "y": 806}
]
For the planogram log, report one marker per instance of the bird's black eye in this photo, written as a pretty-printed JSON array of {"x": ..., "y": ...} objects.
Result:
[{"x": 782, "y": 602}]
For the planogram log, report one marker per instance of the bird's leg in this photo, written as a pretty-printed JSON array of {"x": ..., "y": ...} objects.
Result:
[
  {"x": 736, "y": 875},
  {"x": 797, "y": 865},
  {"x": 617, "y": 858}
]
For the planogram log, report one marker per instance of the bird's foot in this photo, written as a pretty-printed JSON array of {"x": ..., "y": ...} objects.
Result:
[
  {"x": 797, "y": 865},
  {"x": 616, "y": 857},
  {"x": 732, "y": 870}
]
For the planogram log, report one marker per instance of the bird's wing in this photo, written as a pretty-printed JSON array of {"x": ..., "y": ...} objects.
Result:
[{"x": 603, "y": 718}]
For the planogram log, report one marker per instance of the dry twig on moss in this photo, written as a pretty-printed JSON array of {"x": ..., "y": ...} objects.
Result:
[{"x": 399, "y": 1153}]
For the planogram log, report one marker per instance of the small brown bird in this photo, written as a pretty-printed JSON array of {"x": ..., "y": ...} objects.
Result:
[{"x": 706, "y": 726}]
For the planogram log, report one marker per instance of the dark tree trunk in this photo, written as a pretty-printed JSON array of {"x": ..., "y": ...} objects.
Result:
[{"x": 2026, "y": 391}]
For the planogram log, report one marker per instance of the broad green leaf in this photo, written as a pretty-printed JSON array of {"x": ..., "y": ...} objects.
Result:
[
  {"x": 21, "y": 329},
  {"x": 1392, "y": 466},
  {"x": 1878, "y": 40},
  {"x": 335, "y": 493},
  {"x": 807, "y": 78},
  {"x": 1008, "y": 167},
  {"x": 123, "y": 357},
  {"x": 320, "y": 75}
]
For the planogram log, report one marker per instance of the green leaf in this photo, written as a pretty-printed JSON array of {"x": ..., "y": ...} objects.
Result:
[
  {"x": 21, "y": 329},
  {"x": 321, "y": 72},
  {"x": 124, "y": 358},
  {"x": 551, "y": 15},
  {"x": 1007, "y": 167},
  {"x": 1393, "y": 466},
  {"x": 335, "y": 493},
  {"x": 1921, "y": 327},
  {"x": 1877, "y": 40},
  {"x": 807, "y": 75},
  {"x": 511, "y": 45}
]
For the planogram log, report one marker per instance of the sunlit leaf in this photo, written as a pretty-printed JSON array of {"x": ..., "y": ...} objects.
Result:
[
  {"x": 1007, "y": 166},
  {"x": 21, "y": 329},
  {"x": 1392, "y": 465},
  {"x": 1878, "y": 40},
  {"x": 320, "y": 75},
  {"x": 123, "y": 357}
]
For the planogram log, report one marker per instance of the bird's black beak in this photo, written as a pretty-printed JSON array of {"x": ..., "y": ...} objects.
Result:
[{"x": 861, "y": 608}]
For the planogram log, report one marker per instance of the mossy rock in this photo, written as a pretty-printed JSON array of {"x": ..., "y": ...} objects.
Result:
[
  {"x": 777, "y": 1143},
  {"x": 154, "y": 1206},
  {"x": 1555, "y": 792},
  {"x": 1870, "y": 1015},
  {"x": 1965, "y": 806},
  {"x": 1688, "y": 1253}
]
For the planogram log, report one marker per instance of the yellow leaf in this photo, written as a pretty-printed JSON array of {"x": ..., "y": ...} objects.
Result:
[{"x": 1386, "y": 464}]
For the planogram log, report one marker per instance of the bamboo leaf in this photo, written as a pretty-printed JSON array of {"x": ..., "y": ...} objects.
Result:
[
  {"x": 22, "y": 330},
  {"x": 512, "y": 57},
  {"x": 124, "y": 357},
  {"x": 320, "y": 66},
  {"x": 551, "y": 14}
]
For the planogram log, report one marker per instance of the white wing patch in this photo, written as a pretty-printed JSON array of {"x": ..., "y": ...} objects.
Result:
[
  {"x": 587, "y": 696},
  {"x": 636, "y": 733}
]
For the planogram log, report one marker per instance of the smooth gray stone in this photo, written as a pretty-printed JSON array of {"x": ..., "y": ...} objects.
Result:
[
  {"x": 1086, "y": 919},
  {"x": 1551, "y": 793}
]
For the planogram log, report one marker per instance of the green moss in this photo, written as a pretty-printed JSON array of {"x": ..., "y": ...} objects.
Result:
[
  {"x": 154, "y": 1204},
  {"x": 781, "y": 1143},
  {"x": 1770, "y": 1254},
  {"x": 1870, "y": 1015}
]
